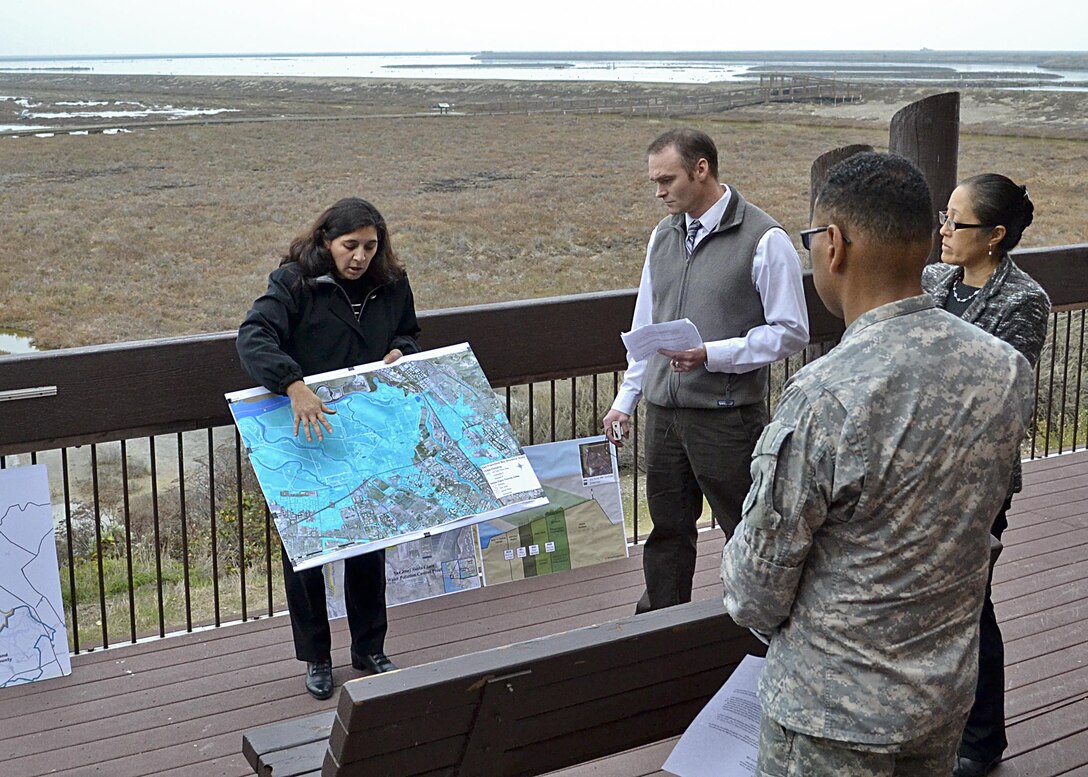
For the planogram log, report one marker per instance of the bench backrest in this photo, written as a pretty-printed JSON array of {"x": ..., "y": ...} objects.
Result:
[{"x": 533, "y": 707}]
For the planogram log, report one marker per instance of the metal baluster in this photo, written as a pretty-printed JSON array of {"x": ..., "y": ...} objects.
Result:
[
  {"x": 128, "y": 543},
  {"x": 1065, "y": 380},
  {"x": 596, "y": 413},
  {"x": 214, "y": 531},
  {"x": 574, "y": 408},
  {"x": 158, "y": 540},
  {"x": 241, "y": 521},
  {"x": 551, "y": 399},
  {"x": 184, "y": 534},
  {"x": 767, "y": 401},
  {"x": 268, "y": 555},
  {"x": 532, "y": 417},
  {"x": 98, "y": 546},
  {"x": 71, "y": 551},
  {"x": 1050, "y": 390},
  {"x": 1035, "y": 412},
  {"x": 1080, "y": 371}
]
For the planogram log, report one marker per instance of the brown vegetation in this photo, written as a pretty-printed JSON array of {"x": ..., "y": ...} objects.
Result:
[{"x": 171, "y": 230}]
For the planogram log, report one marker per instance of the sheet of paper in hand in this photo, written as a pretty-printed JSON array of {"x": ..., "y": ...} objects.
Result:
[
  {"x": 646, "y": 341},
  {"x": 418, "y": 447}
]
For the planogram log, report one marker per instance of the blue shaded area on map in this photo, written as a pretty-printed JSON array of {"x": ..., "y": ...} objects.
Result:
[
  {"x": 405, "y": 454},
  {"x": 261, "y": 406}
]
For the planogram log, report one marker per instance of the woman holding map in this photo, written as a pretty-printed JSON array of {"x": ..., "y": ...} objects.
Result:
[{"x": 339, "y": 298}]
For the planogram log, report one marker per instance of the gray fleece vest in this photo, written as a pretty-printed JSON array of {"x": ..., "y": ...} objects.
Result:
[{"x": 715, "y": 290}]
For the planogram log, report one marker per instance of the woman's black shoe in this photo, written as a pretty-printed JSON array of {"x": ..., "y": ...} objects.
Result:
[
  {"x": 319, "y": 679},
  {"x": 968, "y": 767},
  {"x": 373, "y": 662}
]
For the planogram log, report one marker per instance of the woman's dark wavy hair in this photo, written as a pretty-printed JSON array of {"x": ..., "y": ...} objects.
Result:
[
  {"x": 998, "y": 201},
  {"x": 342, "y": 218}
]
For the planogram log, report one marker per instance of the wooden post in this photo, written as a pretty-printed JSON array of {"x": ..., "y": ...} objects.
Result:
[
  {"x": 927, "y": 132},
  {"x": 825, "y": 162}
]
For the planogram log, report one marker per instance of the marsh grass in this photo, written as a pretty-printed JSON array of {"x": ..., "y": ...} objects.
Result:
[{"x": 172, "y": 230}]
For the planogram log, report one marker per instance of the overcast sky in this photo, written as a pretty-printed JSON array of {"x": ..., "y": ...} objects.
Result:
[{"x": 55, "y": 27}]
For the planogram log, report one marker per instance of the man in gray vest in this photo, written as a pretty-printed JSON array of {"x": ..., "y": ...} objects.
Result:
[
  {"x": 728, "y": 267},
  {"x": 864, "y": 548}
]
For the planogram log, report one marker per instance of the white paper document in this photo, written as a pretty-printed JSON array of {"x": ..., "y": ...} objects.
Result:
[
  {"x": 723, "y": 740},
  {"x": 644, "y": 342},
  {"x": 33, "y": 637},
  {"x": 510, "y": 476}
]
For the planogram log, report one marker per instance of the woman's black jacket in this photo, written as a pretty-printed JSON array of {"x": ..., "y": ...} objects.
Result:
[{"x": 297, "y": 328}]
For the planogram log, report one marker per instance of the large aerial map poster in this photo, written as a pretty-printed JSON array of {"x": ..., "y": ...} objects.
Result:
[
  {"x": 33, "y": 638},
  {"x": 418, "y": 447}
]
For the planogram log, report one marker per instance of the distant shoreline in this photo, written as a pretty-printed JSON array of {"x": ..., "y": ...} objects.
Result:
[
  {"x": 934, "y": 55},
  {"x": 547, "y": 64},
  {"x": 911, "y": 56},
  {"x": 951, "y": 69}
]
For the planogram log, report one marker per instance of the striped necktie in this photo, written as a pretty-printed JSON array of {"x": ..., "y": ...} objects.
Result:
[{"x": 693, "y": 232}]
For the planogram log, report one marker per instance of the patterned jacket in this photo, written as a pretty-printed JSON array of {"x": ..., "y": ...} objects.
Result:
[
  {"x": 864, "y": 545},
  {"x": 1011, "y": 306}
]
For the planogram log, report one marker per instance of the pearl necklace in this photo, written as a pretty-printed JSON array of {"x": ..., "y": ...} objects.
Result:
[{"x": 968, "y": 298}]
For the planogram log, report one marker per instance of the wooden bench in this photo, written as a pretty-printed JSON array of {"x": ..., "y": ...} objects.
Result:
[{"x": 520, "y": 710}]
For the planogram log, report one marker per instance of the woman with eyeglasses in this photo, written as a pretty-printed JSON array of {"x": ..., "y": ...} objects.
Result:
[{"x": 977, "y": 281}]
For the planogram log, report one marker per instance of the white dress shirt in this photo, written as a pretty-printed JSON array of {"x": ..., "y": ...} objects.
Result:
[{"x": 776, "y": 274}]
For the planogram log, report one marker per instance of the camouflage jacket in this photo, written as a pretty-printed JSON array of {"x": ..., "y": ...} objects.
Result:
[{"x": 864, "y": 544}]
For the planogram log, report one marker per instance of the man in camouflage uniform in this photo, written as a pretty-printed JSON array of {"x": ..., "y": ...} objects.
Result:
[{"x": 864, "y": 546}]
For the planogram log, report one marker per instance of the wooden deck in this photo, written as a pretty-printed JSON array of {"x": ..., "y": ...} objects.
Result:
[{"x": 179, "y": 706}]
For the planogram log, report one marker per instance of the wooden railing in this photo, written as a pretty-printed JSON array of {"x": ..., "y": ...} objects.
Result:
[
  {"x": 155, "y": 387},
  {"x": 119, "y": 421}
]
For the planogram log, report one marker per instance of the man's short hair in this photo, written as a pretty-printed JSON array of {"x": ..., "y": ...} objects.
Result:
[
  {"x": 692, "y": 145},
  {"x": 882, "y": 195}
]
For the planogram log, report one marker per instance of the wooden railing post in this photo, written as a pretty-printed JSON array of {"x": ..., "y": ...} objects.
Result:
[{"x": 927, "y": 132}]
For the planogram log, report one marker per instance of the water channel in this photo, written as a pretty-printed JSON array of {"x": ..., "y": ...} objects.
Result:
[{"x": 14, "y": 341}]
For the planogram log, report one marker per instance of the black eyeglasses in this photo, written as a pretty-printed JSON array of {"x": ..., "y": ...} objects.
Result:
[
  {"x": 944, "y": 218},
  {"x": 806, "y": 236}
]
